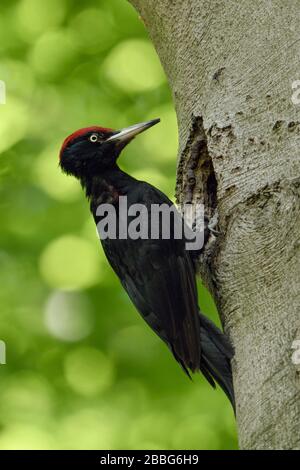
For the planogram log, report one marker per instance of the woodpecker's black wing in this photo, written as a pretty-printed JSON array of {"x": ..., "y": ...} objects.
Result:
[{"x": 159, "y": 278}]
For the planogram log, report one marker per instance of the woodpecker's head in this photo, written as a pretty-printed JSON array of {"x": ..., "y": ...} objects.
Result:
[{"x": 92, "y": 150}]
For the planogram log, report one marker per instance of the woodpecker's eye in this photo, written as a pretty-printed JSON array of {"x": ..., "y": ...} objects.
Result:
[{"x": 93, "y": 138}]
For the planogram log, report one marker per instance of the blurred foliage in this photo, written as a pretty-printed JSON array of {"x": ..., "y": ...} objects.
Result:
[{"x": 83, "y": 370}]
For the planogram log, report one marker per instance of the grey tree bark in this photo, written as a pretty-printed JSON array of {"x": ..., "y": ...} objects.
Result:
[{"x": 231, "y": 65}]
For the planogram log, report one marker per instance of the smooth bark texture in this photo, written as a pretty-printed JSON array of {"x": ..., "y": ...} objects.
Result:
[{"x": 231, "y": 65}]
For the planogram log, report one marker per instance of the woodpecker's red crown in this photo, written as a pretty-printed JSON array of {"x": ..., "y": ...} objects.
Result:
[
  {"x": 92, "y": 150},
  {"x": 81, "y": 132}
]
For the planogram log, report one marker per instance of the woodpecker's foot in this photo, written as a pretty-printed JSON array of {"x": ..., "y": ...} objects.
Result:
[
  {"x": 212, "y": 224},
  {"x": 210, "y": 234},
  {"x": 210, "y": 227}
]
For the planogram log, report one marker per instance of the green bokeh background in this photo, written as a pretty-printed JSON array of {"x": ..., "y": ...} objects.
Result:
[{"x": 83, "y": 370}]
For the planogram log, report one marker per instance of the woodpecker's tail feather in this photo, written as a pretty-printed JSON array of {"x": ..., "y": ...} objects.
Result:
[{"x": 216, "y": 353}]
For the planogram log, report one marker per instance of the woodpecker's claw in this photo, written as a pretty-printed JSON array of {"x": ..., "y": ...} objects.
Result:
[
  {"x": 213, "y": 231},
  {"x": 213, "y": 222}
]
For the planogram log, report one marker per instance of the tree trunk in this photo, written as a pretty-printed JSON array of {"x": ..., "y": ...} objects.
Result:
[{"x": 231, "y": 65}]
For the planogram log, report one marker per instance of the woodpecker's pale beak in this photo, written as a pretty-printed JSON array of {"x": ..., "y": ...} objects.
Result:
[{"x": 128, "y": 133}]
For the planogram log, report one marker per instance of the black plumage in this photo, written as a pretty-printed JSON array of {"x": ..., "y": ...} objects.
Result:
[{"x": 158, "y": 274}]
